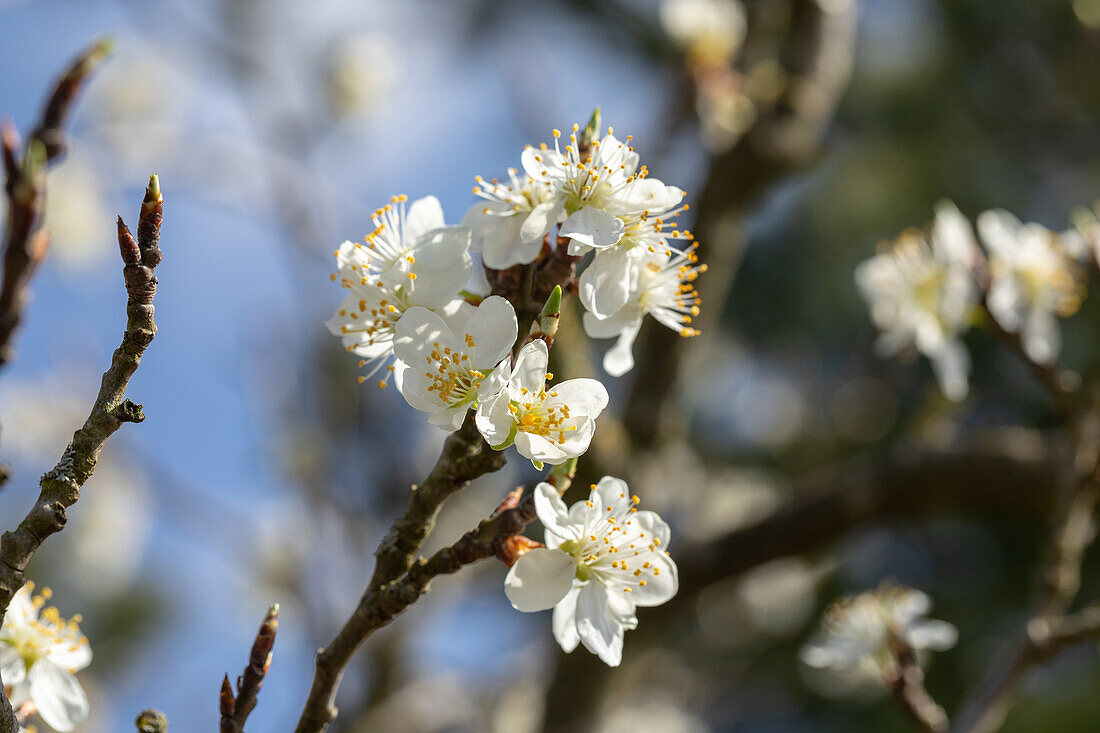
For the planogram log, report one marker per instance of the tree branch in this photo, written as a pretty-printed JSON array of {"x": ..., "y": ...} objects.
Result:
[
  {"x": 905, "y": 681},
  {"x": 25, "y": 243},
  {"x": 465, "y": 456},
  {"x": 60, "y": 487},
  {"x": 235, "y": 711}
]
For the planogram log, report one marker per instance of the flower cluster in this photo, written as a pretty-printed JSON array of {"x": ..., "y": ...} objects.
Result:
[
  {"x": 871, "y": 625},
  {"x": 40, "y": 653},
  {"x": 924, "y": 289},
  {"x": 410, "y": 310},
  {"x": 603, "y": 201}
]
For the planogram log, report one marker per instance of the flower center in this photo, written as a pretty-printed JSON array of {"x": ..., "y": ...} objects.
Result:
[
  {"x": 452, "y": 376},
  {"x": 537, "y": 418}
]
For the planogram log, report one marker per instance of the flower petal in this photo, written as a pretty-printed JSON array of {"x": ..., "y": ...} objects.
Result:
[
  {"x": 565, "y": 621},
  {"x": 493, "y": 330},
  {"x": 553, "y": 514},
  {"x": 539, "y": 579},
  {"x": 593, "y": 227},
  {"x": 600, "y": 629},
  {"x": 931, "y": 634},
  {"x": 60, "y": 699},
  {"x": 422, "y": 216},
  {"x": 537, "y": 448}
]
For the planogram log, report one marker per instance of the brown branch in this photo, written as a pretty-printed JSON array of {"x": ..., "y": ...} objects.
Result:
[
  {"x": 1062, "y": 385},
  {"x": 905, "y": 681},
  {"x": 60, "y": 487},
  {"x": 25, "y": 243},
  {"x": 235, "y": 711},
  {"x": 394, "y": 583},
  {"x": 816, "y": 56}
]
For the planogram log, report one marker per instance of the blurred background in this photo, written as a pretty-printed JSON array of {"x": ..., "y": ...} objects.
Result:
[{"x": 804, "y": 131}]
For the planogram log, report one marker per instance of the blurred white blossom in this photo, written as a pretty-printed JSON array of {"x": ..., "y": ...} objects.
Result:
[
  {"x": 866, "y": 626},
  {"x": 602, "y": 559},
  {"x": 922, "y": 292},
  {"x": 1032, "y": 281},
  {"x": 77, "y": 215},
  {"x": 40, "y": 653},
  {"x": 359, "y": 73},
  {"x": 710, "y": 31}
]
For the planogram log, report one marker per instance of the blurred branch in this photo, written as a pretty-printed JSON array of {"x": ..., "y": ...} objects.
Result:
[
  {"x": 1001, "y": 474},
  {"x": 817, "y": 60},
  {"x": 235, "y": 711},
  {"x": 905, "y": 681},
  {"x": 60, "y": 487},
  {"x": 25, "y": 243}
]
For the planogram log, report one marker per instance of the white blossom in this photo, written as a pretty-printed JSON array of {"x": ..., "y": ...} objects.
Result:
[
  {"x": 410, "y": 259},
  {"x": 659, "y": 283},
  {"x": 589, "y": 193},
  {"x": 1032, "y": 281},
  {"x": 444, "y": 366},
  {"x": 40, "y": 653},
  {"x": 547, "y": 425},
  {"x": 860, "y": 628},
  {"x": 506, "y": 229},
  {"x": 922, "y": 293},
  {"x": 603, "y": 558}
]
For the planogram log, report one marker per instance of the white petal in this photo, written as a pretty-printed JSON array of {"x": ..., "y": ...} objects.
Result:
[
  {"x": 593, "y": 227},
  {"x": 494, "y": 421},
  {"x": 655, "y": 527},
  {"x": 530, "y": 369},
  {"x": 13, "y": 669},
  {"x": 825, "y": 655},
  {"x": 539, "y": 579},
  {"x": 600, "y": 629},
  {"x": 660, "y": 586},
  {"x": 951, "y": 365},
  {"x": 493, "y": 329},
  {"x": 553, "y": 514},
  {"x": 932, "y": 634},
  {"x": 613, "y": 497},
  {"x": 70, "y": 654},
  {"x": 537, "y": 448},
  {"x": 998, "y": 230},
  {"x": 541, "y": 220},
  {"x": 565, "y": 621},
  {"x": 619, "y": 359},
  {"x": 422, "y": 216},
  {"x": 585, "y": 397},
  {"x": 645, "y": 194},
  {"x": 60, "y": 699},
  {"x": 417, "y": 330},
  {"x": 1041, "y": 335},
  {"x": 605, "y": 284}
]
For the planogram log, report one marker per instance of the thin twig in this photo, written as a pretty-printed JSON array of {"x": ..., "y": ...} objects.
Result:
[
  {"x": 60, "y": 487},
  {"x": 235, "y": 711},
  {"x": 465, "y": 456},
  {"x": 905, "y": 680},
  {"x": 379, "y": 607},
  {"x": 25, "y": 243}
]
